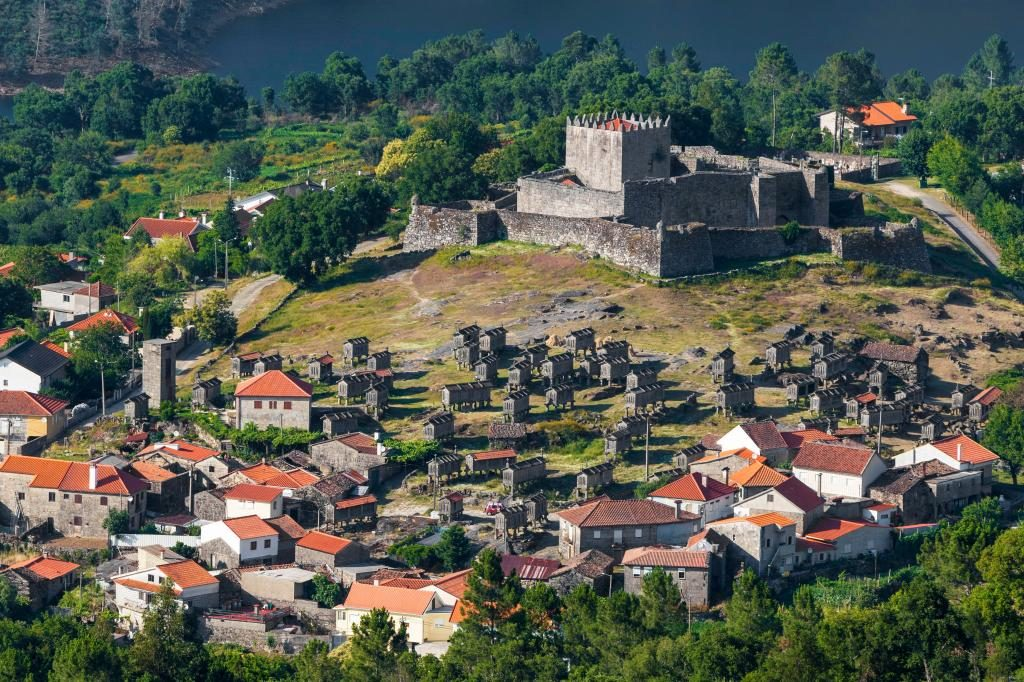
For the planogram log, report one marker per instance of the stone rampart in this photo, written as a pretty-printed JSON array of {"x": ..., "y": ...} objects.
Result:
[
  {"x": 758, "y": 243},
  {"x": 541, "y": 195},
  {"x": 899, "y": 245},
  {"x": 435, "y": 227}
]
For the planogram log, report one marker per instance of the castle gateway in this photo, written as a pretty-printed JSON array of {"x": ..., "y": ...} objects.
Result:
[{"x": 628, "y": 195}]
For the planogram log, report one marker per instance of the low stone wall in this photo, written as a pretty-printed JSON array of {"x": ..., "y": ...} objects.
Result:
[
  {"x": 435, "y": 227},
  {"x": 898, "y": 245},
  {"x": 754, "y": 243}
]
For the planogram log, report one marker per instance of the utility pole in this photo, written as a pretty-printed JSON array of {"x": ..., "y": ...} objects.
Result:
[
  {"x": 230, "y": 177},
  {"x": 647, "y": 449},
  {"x": 103, "y": 389},
  {"x": 991, "y": 78}
]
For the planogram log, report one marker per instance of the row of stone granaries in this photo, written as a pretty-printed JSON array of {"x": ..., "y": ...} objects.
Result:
[
  {"x": 736, "y": 508},
  {"x": 878, "y": 385}
]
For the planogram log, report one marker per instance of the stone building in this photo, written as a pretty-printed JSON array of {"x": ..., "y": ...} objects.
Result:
[
  {"x": 594, "y": 477},
  {"x": 523, "y": 471},
  {"x": 962, "y": 397},
  {"x": 734, "y": 398},
  {"x": 690, "y": 571},
  {"x": 978, "y": 407},
  {"x": 722, "y": 366},
  {"x": 238, "y": 542},
  {"x": 473, "y": 395},
  {"x": 341, "y": 420},
  {"x": 557, "y": 368},
  {"x": 486, "y": 369},
  {"x": 359, "y": 452},
  {"x": 493, "y": 340},
  {"x": 520, "y": 375},
  {"x": 354, "y": 350},
  {"x": 640, "y": 377},
  {"x": 274, "y": 398},
  {"x": 765, "y": 543},
  {"x": 169, "y": 487},
  {"x": 580, "y": 341},
  {"x": 909, "y": 363},
  {"x": 439, "y": 427},
  {"x": 355, "y": 385},
  {"x": 560, "y": 395},
  {"x": 317, "y": 549},
  {"x": 320, "y": 368},
  {"x": 616, "y": 442},
  {"x": 467, "y": 355},
  {"x": 489, "y": 461},
  {"x": 827, "y": 401},
  {"x": 612, "y": 348},
  {"x": 136, "y": 408},
  {"x": 158, "y": 372},
  {"x": 614, "y": 371},
  {"x": 41, "y": 580},
  {"x": 823, "y": 344},
  {"x": 205, "y": 391},
  {"x": 266, "y": 363},
  {"x": 614, "y": 526},
  {"x": 515, "y": 406},
  {"x": 379, "y": 360}
]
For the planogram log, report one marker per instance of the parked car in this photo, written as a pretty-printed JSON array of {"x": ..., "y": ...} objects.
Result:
[{"x": 493, "y": 508}]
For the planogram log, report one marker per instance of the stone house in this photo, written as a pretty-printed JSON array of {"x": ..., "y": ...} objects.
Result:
[
  {"x": 209, "y": 505},
  {"x": 925, "y": 491},
  {"x": 29, "y": 419},
  {"x": 247, "y": 499},
  {"x": 41, "y": 580},
  {"x": 169, "y": 488},
  {"x": 314, "y": 504},
  {"x": 613, "y": 526},
  {"x": 690, "y": 570},
  {"x": 72, "y": 498},
  {"x": 753, "y": 479},
  {"x": 206, "y": 461},
  {"x": 161, "y": 228},
  {"x": 130, "y": 331},
  {"x": 318, "y": 549},
  {"x": 764, "y": 543},
  {"x": 274, "y": 398},
  {"x": 506, "y": 436},
  {"x": 289, "y": 532},
  {"x": 592, "y": 567},
  {"x": 851, "y": 538},
  {"x": 423, "y": 611},
  {"x": 909, "y": 363},
  {"x": 194, "y": 588},
  {"x": 697, "y": 494},
  {"x": 837, "y": 469},
  {"x": 960, "y": 453},
  {"x": 810, "y": 553},
  {"x": 30, "y": 366},
  {"x": 790, "y": 498},
  {"x": 359, "y": 452},
  {"x": 238, "y": 542},
  {"x": 279, "y": 585}
]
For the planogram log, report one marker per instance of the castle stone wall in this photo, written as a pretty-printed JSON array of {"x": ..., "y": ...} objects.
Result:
[
  {"x": 571, "y": 201},
  {"x": 758, "y": 243},
  {"x": 711, "y": 198},
  {"x": 434, "y": 227},
  {"x": 896, "y": 244},
  {"x": 604, "y": 159}
]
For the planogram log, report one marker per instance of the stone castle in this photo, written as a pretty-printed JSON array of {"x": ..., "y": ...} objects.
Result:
[{"x": 627, "y": 195}]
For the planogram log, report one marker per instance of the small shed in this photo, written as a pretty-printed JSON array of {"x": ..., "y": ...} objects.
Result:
[
  {"x": 980, "y": 405},
  {"x": 446, "y": 465},
  {"x": 493, "y": 340},
  {"x": 338, "y": 422},
  {"x": 590, "y": 368},
  {"x": 592, "y": 478},
  {"x": 490, "y": 460},
  {"x": 734, "y": 398},
  {"x": 267, "y": 363},
  {"x": 823, "y": 344},
  {"x": 644, "y": 397},
  {"x": 614, "y": 370},
  {"x": 241, "y": 365},
  {"x": 961, "y": 397},
  {"x": 354, "y": 350},
  {"x": 520, "y": 375},
  {"x": 516, "y": 405},
  {"x": 827, "y": 401},
  {"x": 204, "y": 392},
  {"x": 524, "y": 471},
  {"x": 641, "y": 376},
  {"x": 321, "y": 368},
  {"x": 356, "y": 509},
  {"x": 723, "y": 365},
  {"x": 878, "y": 377},
  {"x": 614, "y": 349},
  {"x": 379, "y": 360},
  {"x": 378, "y": 397},
  {"x": 136, "y": 408},
  {"x": 580, "y": 341},
  {"x": 893, "y": 414},
  {"x": 560, "y": 395},
  {"x": 474, "y": 394},
  {"x": 486, "y": 368},
  {"x": 502, "y": 435},
  {"x": 556, "y": 368},
  {"x": 932, "y": 427},
  {"x": 537, "y": 354},
  {"x": 449, "y": 507},
  {"x": 467, "y": 354},
  {"x": 777, "y": 355},
  {"x": 830, "y": 367},
  {"x": 617, "y": 442},
  {"x": 536, "y": 509},
  {"x": 439, "y": 427},
  {"x": 352, "y": 386}
]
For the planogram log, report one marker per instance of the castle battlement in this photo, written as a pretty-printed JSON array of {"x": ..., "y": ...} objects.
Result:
[{"x": 624, "y": 123}]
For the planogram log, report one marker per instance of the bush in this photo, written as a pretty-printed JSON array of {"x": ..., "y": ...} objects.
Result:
[{"x": 790, "y": 232}]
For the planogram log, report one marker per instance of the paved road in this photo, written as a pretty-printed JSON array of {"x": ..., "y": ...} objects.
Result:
[{"x": 944, "y": 212}]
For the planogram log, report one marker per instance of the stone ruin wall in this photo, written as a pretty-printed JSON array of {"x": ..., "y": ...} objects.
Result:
[
  {"x": 758, "y": 243},
  {"x": 900, "y": 245},
  {"x": 459, "y": 224}
]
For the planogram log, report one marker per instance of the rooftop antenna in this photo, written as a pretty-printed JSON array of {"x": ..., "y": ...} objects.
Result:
[{"x": 230, "y": 177}]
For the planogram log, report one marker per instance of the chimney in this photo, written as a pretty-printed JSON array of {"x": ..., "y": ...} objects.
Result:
[
  {"x": 959, "y": 453},
  {"x": 162, "y": 215},
  {"x": 725, "y": 474},
  {"x": 819, "y": 485},
  {"x": 202, "y": 217},
  {"x": 181, "y": 213},
  {"x": 376, "y": 436},
  {"x": 92, "y": 476},
  {"x": 905, "y": 107},
  {"x": 323, "y": 183},
  {"x": 679, "y": 508}
]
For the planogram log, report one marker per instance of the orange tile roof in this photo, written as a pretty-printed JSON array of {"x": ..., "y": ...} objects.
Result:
[
  {"x": 274, "y": 384},
  {"x": 6, "y": 268},
  {"x": 360, "y": 442},
  {"x": 829, "y": 529},
  {"x": 804, "y": 544},
  {"x": 160, "y": 228},
  {"x": 454, "y": 584},
  {"x": 8, "y": 334},
  {"x": 265, "y": 474},
  {"x": 138, "y": 584},
  {"x": 187, "y": 573},
  {"x": 287, "y": 526},
  {"x": 988, "y": 396},
  {"x": 839, "y": 458},
  {"x": 670, "y": 557},
  {"x": 45, "y": 567},
  {"x": 742, "y": 453},
  {"x": 260, "y": 473},
  {"x": 795, "y": 439},
  {"x": 459, "y": 613},
  {"x": 72, "y": 476},
  {"x": 488, "y": 455},
  {"x": 865, "y": 398},
  {"x": 881, "y": 507},
  {"x": 971, "y": 451},
  {"x": 55, "y": 348},
  {"x": 151, "y": 472},
  {"x": 97, "y": 290},
  {"x": 182, "y": 449},
  {"x": 249, "y": 527},
  {"x": 408, "y": 583},
  {"x": 762, "y": 520},
  {"x": 757, "y": 475},
  {"x": 883, "y": 113},
  {"x": 391, "y": 599},
  {"x": 253, "y": 493},
  {"x": 323, "y": 542},
  {"x": 356, "y": 502},
  {"x": 694, "y": 487},
  {"x": 26, "y": 404},
  {"x": 799, "y": 494},
  {"x": 623, "y": 513},
  {"x": 106, "y": 316}
]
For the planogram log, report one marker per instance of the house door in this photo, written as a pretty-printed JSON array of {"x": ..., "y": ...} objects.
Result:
[{"x": 617, "y": 536}]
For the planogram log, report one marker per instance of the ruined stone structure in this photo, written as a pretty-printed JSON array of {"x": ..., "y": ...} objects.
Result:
[{"x": 628, "y": 196}]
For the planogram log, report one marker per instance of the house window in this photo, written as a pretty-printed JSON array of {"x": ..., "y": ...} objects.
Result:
[
  {"x": 52, "y": 497},
  {"x": 287, "y": 404},
  {"x": 76, "y": 520},
  {"x": 636, "y": 571},
  {"x": 682, "y": 573},
  {"x": 21, "y": 496},
  {"x": 65, "y": 496},
  {"x": 771, "y": 498},
  {"x": 210, "y": 469},
  {"x": 78, "y": 499},
  {"x": 252, "y": 545},
  {"x": 258, "y": 404},
  {"x": 767, "y": 542},
  {"x": 789, "y": 540},
  {"x": 597, "y": 535},
  {"x": 67, "y": 298},
  {"x": 266, "y": 544},
  {"x": 103, "y": 502},
  {"x": 151, "y": 578},
  {"x": 639, "y": 533},
  {"x": 272, "y": 404}
]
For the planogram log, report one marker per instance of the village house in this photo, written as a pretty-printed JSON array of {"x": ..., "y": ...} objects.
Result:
[
  {"x": 206, "y": 461},
  {"x": 720, "y": 465},
  {"x": 869, "y": 125},
  {"x": 358, "y": 452},
  {"x": 690, "y": 570},
  {"x": 426, "y": 617},
  {"x": 73, "y": 498},
  {"x": 64, "y": 302},
  {"x": 318, "y": 549},
  {"x": 29, "y": 421},
  {"x": 314, "y": 504},
  {"x": 837, "y": 469},
  {"x": 851, "y": 538},
  {"x": 274, "y": 398},
  {"x": 247, "y": 499},
  {"x": 764, "y": 543},
  {"x": 755, "y": 478},
  {"x": 30, "y": 366},
  {"x": 194, "y": 588},
  {"x": 41, "y": 579},
  {"x": 960, "y": 453},
  {"x": 291, "y": 479},
  {"x": 128, "y": 329},
  {"x": 613, "y": 526},
  {"x": 168, "y": 488},
  {"x": 289, "y": 532},
  {"x": 698, "y": 494},
  {"x": 791, "y": 498},
  {"x": 924, "y": 491},
  {"x": 592, "y": 568},
  {"x": 237, "y": 542},
  {"x": 281, "y": 585},
  {"x": 161, "y": 228},
  {"x": 909, "y": 363},
  {"x": 762, "y": 438}
]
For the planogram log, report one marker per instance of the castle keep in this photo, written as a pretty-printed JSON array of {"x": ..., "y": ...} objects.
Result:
[{"x": 628, "y": 195}]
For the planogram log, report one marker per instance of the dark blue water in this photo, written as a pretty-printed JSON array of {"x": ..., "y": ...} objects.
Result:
[{"x": 935, "y": 36}]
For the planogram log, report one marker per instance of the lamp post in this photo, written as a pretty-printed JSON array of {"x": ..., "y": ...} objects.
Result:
[{"x": 227, "y": 275}]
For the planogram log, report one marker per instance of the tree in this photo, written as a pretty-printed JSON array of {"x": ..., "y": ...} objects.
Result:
[
  {"x": 718, "y": 93},
  {"x": 913, "y": 151},
  {"x": 998, "y": 602},
  {"x": 375, "y": 647},
  {"x": 439, "y": 174},
  {"x": 909, "y": 85},
  {"x": 15, "y": 302},
  {"x": 163, "y": 650},
  {"x": 774, "y": 70},
  {"x": 660, "y": 602},
  {"x": 212, "y": 318},
  {"x": 415, "y": 451},
  {"x": 798, "y": 656},
  {"x": 96, "y": 350},
  {"x": 991, "y": 66},
  {"x": 956, "y": 166},
  {"x": 453, "y": 549},
  {"x": 850, "y": 79},
  {"x": 117, "y": 522},
  {"x": 350, "y": 88},
  {"x": 91, "y": 656},
  {"x": 314, "y": 664},
  {"x": 241, "y": 157},
  {"x": 170, "y": 263},
  {"x": 950, "y": 556},
  {"x": 925, "y": 618},
  {"x": 1004, "y": 435},
  {"x": 326, "y": 592}
]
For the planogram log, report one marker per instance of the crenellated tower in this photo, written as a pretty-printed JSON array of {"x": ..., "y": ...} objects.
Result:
[{"x": 605, "y": 151}]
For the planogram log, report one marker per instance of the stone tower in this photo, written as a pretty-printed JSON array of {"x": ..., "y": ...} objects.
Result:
[
  {"x": 606, "y": 151},
  {"x": 158, "y": 371}
]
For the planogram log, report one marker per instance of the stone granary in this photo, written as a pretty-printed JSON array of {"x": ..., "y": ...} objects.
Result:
[
  {"x": 241, "y": 365},
  {"x": 205, "y": 391},
  {"x": 878, "y": 378},
  {"x": 439, "y": 427},
  {"x": 827, "y": 401},
  {"x": 515, "y": 407},
  {"x": 797, "y": 385},
  {"x": 933, "y": 426},
  {"x": 634, "y": 425},
  {"x": 158, "y": 372},
  {"x": 860, "y": 402},
  {"x": 823, "y": 344},
  {"x": 641, "y": 376},
  {"x": 891, "y": 414},
  {"x": 830, "y": 367},
  {"x": 379, "y": 360},
  {"x": 467, "y": 355},
  {"x": 734, "y": 398},
  {"x": 341, "y": 420},
  {"x": 559, "y": 396},
  {"x": 645, "y": 397},
  {"x": 909, "y": 363},
  {"x": 723, "y": 366},
  {"x": 536, "y": 509},
  {"x": 980, "y": 405},
  {"x": 136, "y": 408},
  {"x": 523, "y": 471},
  {"x": 320, "y": 368},
  {"x": 537, "y": 354},
  {"x": 446, "y": 465},
  {"x": 449, "y": 507},
  {"x": 355, "y": 350},
  {"x": 912, "y": 394},
  {"x": 777, "y": 355},
  {"x": 267, "y": 363},
  {"x": 361, "y": 509},
  {"x": 377, "y": 399},
  {"x": 491, "y": 460},
  {"x": 616, "y": 442},
  {"x": 510, "y": 521},
  {"x": 614, "y": 370},
  {"x": 579, "y": 341},
  {"x": 466, "y": 335},
  {"x": 502, "y": 435},
  {"x": 352, "y": 386},
  {"x": 486, "y": 368},
  {"x": 520, "y": 375},
  {"x": 493, "y": 340},
  {"x": 473, "y": 395},
  {"x": 595, "y": 477},
  {"x": 961, "y": 398},
  {"x": 611, "y": 348},
  {"x": 556, "y": 368},
  {"x": 628, "y": 196}
]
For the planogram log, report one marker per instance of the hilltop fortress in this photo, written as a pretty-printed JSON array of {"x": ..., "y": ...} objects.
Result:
[{"x": 627, "y": 195}]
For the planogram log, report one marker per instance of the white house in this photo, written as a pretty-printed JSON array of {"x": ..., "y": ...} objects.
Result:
[
  {"x": 426, "y": 617},
  {"x": 837, "y": 469},
  {"x": 870, "y": 125},
  {"x": 247, "y": 499},
  {"x": 67, "y": 301},
  {"x": 959, "y": 452},
  {"x": 237, "y": 542},
  {"x": 698, "y": 494},
  {"x": 193, "y": 587},
  {"x": 791, "y": 498},
  {"x": 761, "y": 438},
  {"x": 30, "y": 366}
]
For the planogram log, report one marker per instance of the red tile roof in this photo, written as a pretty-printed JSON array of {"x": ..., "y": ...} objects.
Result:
[
  {"x": 694, "y": 487},
  {"x": 761, "y": 520},
  {"x": 286, "y": 526},
  {"x": 883, "y": 114},
  {"x": 106, "y": 316},
  {"x": 356, "y": 502},
  {"x": 6, "y": 268},
  {"x": 407, "y": 583},
  {"x": 799, "y": 493},
  {"x": 359, "y": 442},
  {"x": 881, "y": 507},
  {"x": 971, "y": 451},
  {"x": 849, "y": 431},
  {"x": 765, "y": 435},
  {"x": 296, "y": 478},
  {"x": 454, "y": 584},
  {"x": 249, "y": 527},
  {"x": 182, "y": 449},
  {"x": 624, "y": 513},
  {"x": 323, "y": 542},
  {"x": 274, "y": 384},
  {"x": 829, "y": 529},
  {"x": 159, "y": 228},
  {"x": 890, "y": 352},
  {"x": 55, "y": 348},
  {"x": 528, "y": 567},
  {"x": 866, "y": 398},
  {"x": 187, "y": 573},
  {"x": 391, "y": 599},
  {"x": 45, "y": 567},
  {"x": 138, "y": 584},
  {"x": 794, "y": 439},
  {"x": 742, "y": 453},
  {"x": 8, "y": 334},
  {"x": 148, "y": 471},
  {"x": 72, "y": 476},
  {"x": 493, "y": 454},
  {"x": 839, "y": 458},
  {"x": 988, "y": 396},
  {"x": 668, "y": 557},
  {"x": 757, "y": 475},
  {"x": 710, "y": 441},
  {"x": 25, "y": 404},
  {"x": 253, "y": 493},
  {"x": 805, "y": 544},
  {"x": 97, "y": 290}
]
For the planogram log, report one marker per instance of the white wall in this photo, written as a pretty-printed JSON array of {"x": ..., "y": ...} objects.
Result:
[
  {"x": 737, "y": 438},
  {"x": 265, "y": 510},
  {"x": 14, "y": 377}
]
